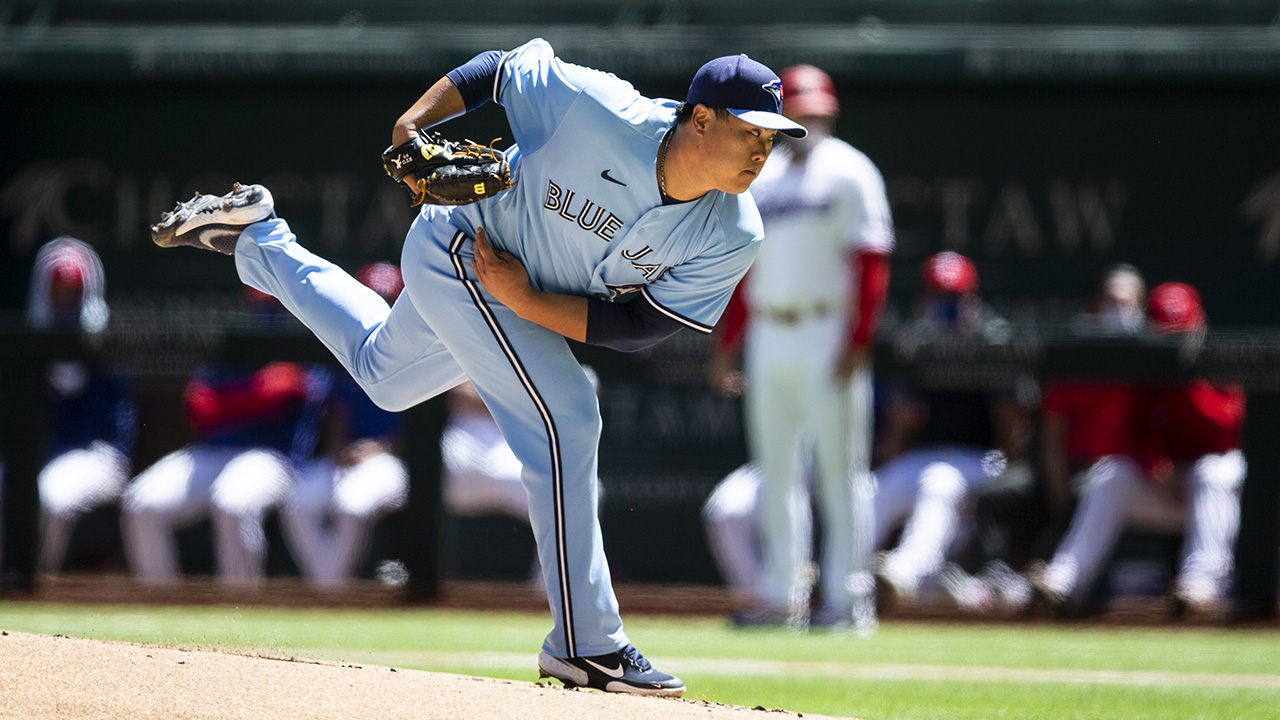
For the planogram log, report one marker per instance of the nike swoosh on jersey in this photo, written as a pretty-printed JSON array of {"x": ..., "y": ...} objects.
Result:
[
  {"x": 605, "y": 174},
  {"x": 611, "y": 672}
]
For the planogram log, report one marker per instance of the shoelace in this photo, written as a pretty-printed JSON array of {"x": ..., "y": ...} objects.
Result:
[{"x": 638, "y": 661}]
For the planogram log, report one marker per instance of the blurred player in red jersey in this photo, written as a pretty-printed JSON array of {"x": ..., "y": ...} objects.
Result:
[
  {"x": 1084, "y": 436},
  {"x": 1083, "y": 422},
  {"x": 1184, "y": 474}
]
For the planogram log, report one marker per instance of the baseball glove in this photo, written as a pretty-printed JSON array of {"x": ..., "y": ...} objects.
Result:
[{"x": 447, "y": 172}]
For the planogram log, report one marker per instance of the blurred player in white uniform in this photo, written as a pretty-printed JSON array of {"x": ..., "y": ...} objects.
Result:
[
  {"x": 253, "y": 426},
  {"x": 941, "y": 444},
  {"x": 339, "y": 496},
  {"x": 91, "y": 413},
  {"x": 811, "y": 306}
]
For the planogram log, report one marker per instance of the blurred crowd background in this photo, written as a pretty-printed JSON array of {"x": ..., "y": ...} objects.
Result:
[{"x": 1044, "y": 140}]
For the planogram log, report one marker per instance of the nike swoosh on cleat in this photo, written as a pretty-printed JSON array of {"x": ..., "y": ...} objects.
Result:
[
  {"x": 611, "y": 672},
  {"x": 605, "y": 175}
]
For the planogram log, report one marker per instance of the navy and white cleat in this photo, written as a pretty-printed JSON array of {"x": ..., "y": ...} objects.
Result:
[
  {"x": 214, "y": 223},
  {"x": 625, "y": 671}
]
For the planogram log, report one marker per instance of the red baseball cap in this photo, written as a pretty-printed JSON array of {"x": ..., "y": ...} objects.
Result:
[
  {"x": 808, "y": 91},
  {"x": 68, "y": 271},
  {"x": 949, "y": 272},
  {"x": 1175, "y": 307},
  {"x": 383, "y": 278}
]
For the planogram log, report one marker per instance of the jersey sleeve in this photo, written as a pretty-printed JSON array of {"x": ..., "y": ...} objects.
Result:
[
  {"x": 866, "y": 208},
  {"x": 696, "y": 292},
  {"x": 537, "y": 89}
]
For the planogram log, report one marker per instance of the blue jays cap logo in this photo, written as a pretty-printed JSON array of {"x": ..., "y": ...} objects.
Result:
[{"x": 775, "y": 89}]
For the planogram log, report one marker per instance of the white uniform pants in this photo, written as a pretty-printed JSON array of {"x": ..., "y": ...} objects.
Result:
[
  {"x": 331, "y": 512},
  {"x": 72, "y": 483},
  {"x": 1202, "y": 499},
  {"x": 237, "y": 486},
  {"x": 925, "y": 488},
  {"x": 795, "y": 405},
  {"x": 731, "y": 517}
]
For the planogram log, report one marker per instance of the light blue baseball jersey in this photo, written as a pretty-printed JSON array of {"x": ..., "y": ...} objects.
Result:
[{"x": 585, "y": 215}]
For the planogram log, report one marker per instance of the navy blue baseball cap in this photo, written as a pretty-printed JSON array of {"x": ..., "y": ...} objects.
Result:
[{"x": 747, "y": 89}]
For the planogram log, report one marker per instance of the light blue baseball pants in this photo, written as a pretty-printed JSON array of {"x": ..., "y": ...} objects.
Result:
[{"x": 445, "y": 329}]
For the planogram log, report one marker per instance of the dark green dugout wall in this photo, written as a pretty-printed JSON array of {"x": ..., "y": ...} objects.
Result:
[{"x": 1041, "y": 185}]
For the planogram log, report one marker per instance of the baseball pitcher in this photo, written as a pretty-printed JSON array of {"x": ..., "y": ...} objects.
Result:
[{"x": 616, "y": 219}]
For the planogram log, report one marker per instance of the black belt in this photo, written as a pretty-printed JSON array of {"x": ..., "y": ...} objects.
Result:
[{"x": 795, "y": 316}]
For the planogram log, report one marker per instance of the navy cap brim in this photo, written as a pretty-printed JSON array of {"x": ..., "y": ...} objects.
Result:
[{"x": 771, "y": 121}]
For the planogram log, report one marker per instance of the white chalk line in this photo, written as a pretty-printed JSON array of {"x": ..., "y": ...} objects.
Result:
[{"x": 852, "y": 671}]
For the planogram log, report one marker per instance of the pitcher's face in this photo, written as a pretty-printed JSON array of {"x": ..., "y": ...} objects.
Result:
[{"x": 734, "y": 151}]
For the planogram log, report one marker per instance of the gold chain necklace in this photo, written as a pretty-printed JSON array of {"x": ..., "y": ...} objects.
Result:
[{"x": 662, "y": 164}]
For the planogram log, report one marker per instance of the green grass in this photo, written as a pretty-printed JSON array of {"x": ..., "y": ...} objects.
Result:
[{"x": 906, "y": 670}]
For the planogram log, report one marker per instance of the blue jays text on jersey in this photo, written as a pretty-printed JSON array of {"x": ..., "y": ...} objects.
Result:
[{"x": 560, "y": 201}]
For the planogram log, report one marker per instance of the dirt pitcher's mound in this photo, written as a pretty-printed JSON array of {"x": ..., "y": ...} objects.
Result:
[{"x": 61, "y": 677}]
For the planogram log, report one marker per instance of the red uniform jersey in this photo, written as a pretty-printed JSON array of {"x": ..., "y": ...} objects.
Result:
[
  {"x": 1099, "y": 418},
  {"x": 1188, "y": 422}
]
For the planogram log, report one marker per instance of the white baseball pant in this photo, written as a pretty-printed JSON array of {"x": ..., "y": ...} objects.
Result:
[
  {"x": 482, "y": 474},
  {"x": 731, "y": 517},
  {"x": 925, "y": 489},
  {"x": 71, "y": 483},
  {"x": 235, "y": 485},
  {"x": 794, "y": 404},
  {"x": 1202, "y": 499},
  {"x": 331, "y": 512}
]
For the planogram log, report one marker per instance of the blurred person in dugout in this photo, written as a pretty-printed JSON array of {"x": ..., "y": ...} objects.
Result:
[
  {"x": 331, "y": 512},
  {"x": 1081, "y": 422},
  {"x": 1183, "y": 472},
  {"x": 253, "y": 426},
  {"x": 807, "y": 313},
  {"x": 941, "y": 446},
  {"x": 90, "y": 410}
]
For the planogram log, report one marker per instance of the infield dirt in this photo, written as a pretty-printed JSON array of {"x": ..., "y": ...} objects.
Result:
[{"x": 46, "y": 677}]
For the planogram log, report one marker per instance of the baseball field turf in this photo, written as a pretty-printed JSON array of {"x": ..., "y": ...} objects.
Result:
[{"x": 905, "y": 670}]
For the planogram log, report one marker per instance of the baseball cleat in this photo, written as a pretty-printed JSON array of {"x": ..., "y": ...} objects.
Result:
[
  {"x": 831, "y": 618},
  {"x": 968, "y": 592},
  {"x": 1014, "y": 589},
  {"x": 1199, "y": 601},
  {"x": 625, "y": 671},
  {"x": 1047, "y": 593},
  {"x": 763, "y": 616},
  {"x": 214, "y": 223},
  {"x": 859, "y": 620},
  {"x": 893, "y": 586}
]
